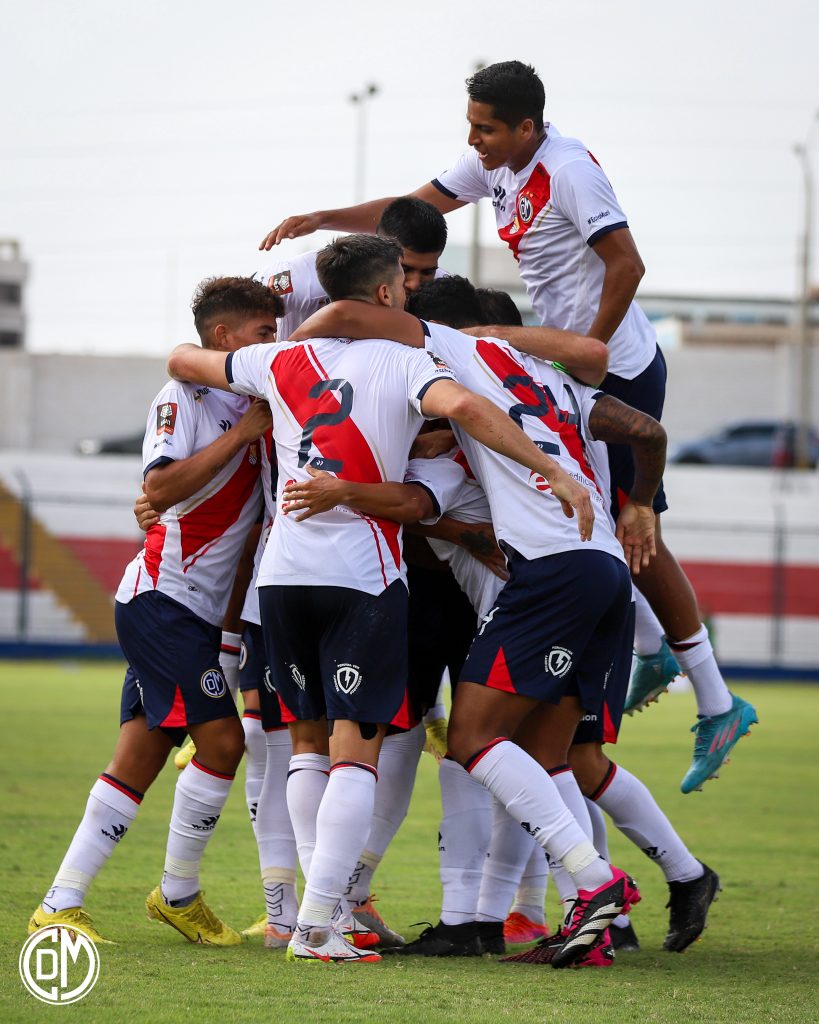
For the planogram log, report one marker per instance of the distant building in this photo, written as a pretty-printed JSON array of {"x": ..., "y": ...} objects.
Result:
[{"x": 13, "y": 274}]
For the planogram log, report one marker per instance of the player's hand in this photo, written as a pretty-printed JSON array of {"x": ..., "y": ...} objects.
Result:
[
  {"x": 635, "y": 529},
  {"x": 435, "y": 742},
  {"x": 573, "y": 497},
  {"x": 435, "y": 442},
  {"x": 312, "y": 497},
  {"x": 291, "y": 227},
  {"x": 144, "y": 512},
  {"x": 479, "y": 540},
  {"x": 255, "y": 421}
]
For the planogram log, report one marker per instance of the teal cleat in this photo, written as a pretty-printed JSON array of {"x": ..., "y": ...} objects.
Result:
[
  {"x": 715, "y": 737},
  {"x": 651, "y": 676}
]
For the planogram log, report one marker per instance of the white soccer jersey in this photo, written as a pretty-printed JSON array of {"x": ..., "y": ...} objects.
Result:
[
  {"x": 550, "y": 214},
  {"x": 553, "y": 410},
  {"x": 250, "y": 609},
  {"x": 459, "y": 495},
  {"x": 296, "y": 283},
  {"x": 191, "y": 554},
  {"x": 350, "y": 408}
]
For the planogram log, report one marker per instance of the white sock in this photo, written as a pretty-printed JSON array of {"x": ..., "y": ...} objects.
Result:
[
  {"x": 648, "y": 633},
  {"x": 110, "y": 809},
  {"x": 563, "y": 778},
  {"x": 696, "y": 658},
  {"x": 255, "y": 760},
  {"x": 531, "y": 892},
  {"x": 345, "y": 815},
  {"x": 397, "y": 765},
  {"x": 635, "y": 812},
  {"x": 531, "y": 797},
  {"x": 509, "y": 851},
  {"x": 306, "y": 783},
  {"x": 600, "y": 836},
  {"x": 229, "y": 655},
  {"x": 274, "y": 834},
  {"x": 198, "y": 801},
  {"x": 463, "y": 841}
]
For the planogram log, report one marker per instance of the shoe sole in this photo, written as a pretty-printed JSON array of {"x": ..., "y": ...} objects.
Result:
[{"x": 294, "y": 958}]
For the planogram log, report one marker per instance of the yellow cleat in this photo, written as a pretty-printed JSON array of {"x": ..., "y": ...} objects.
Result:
[
  {"x": 197, "y": 922},
  {"x": 183, "y": 757},
  {"x": 436, "y": 738},
  {"x": 256, "y": 930},
  {"x": 74, "y": 918}
]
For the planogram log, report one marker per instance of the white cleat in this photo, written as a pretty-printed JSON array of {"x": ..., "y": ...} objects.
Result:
[{"x": 334, "y": 949}]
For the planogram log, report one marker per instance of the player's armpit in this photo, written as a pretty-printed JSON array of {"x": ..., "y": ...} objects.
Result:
[{"x": 349, "y": 318}]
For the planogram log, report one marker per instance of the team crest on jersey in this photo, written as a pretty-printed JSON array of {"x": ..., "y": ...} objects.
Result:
[
  {"x": 166, "y": 417},
  {"x": 347, "y": 678},
  {"x": 298, "y": 677},
  {"x": 281, "y": 283},
  {"x": 558, "y": 661},
  {"x": 268, "y": 682},
  {"x": 525, "y": 209},
  {"x": 213, "y": 683},
  {"x": 253, "y": 453}
]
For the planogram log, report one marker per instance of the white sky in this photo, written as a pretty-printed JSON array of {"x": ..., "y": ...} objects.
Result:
[{"x": 145, "y": 146}]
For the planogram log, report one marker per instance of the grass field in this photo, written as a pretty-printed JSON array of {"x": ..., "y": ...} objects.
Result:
[{"x": 757, "y": 826}]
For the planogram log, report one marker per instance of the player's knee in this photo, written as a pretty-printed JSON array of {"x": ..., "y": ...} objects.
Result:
[
  {"x": 222, "y": 750},
  {"x": 589, "y": 765}
]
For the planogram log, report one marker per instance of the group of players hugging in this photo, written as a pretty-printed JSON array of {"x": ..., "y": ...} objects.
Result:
[{"x": 371, "y": 477}]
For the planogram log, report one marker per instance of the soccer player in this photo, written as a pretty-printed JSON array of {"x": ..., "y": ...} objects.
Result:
[
  {"x": 201, "y": 469},
  {"x": 557, "y": 212},
  {"x": 550, "y": 603},
  {"x": 332, "y": 594}
]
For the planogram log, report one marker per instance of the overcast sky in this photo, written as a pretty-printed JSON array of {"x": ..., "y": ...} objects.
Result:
[{"x": 145, "y": 146}]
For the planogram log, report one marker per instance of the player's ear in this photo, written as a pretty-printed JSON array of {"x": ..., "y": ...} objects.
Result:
[
  {"x": 383, "y": 295},
  {"x": 220, "y": 337}
]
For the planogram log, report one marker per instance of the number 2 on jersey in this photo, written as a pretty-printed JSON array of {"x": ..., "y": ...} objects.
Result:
[{"x": 325, "y": 419}]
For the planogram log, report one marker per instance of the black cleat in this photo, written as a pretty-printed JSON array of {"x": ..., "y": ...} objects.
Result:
[
  {"x": 689, "y": 903},
  {"x": 490, "y": 937},
  {"x": 443, "y": 940},
  {"x": 624, "y": 940}
]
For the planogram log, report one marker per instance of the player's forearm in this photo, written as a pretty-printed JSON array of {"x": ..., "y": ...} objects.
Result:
[
  {"x": 615, "y": 422},
  {"x": 364, "y": 217},
  {"x": 619, "y": 288},
  {"x": 176, "y": 481},
  {"x": 403, "y": 503},
  {"x": 584, "y": 357},
  {"x": 350, "y": 318},
  {"x": 198, "y": 365}
]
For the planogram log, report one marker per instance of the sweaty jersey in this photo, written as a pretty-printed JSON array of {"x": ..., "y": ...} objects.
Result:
[
  {"x": 550, "y": 214},
  {"x": 349, "y": 408},
  {"x": 191, "y": 554},
  {"x": 459, "y": 495},
  {"x": 553, "y": 410}
]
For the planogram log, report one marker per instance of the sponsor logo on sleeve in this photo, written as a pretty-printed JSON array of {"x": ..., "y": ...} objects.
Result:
[
  {"x": 166, "y": 417},
  {"x": 440, "y": 364},
  {"x": 281, "y": 283},
  {"x": 599, "y": 216}
]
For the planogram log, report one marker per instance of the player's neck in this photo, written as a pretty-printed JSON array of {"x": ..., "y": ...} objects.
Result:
[{"x": 525, "y": 156}]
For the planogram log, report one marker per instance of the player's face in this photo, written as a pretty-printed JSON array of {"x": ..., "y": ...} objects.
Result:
[
  {"x": 258, "y": 330},
  {"x": 419, "y": 267},
  {"x": 496, "y": 144}
]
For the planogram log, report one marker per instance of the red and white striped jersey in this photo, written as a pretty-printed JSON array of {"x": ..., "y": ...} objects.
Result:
[
  {"x": 349, "y": 408},
  {"x": 553, "y": 410},
  {"x": 191, "y": 554},
  {"x": 550, "y": 214}
]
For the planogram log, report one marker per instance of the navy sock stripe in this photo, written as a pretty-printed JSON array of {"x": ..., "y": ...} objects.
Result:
[{"x": 117, "y": 784}]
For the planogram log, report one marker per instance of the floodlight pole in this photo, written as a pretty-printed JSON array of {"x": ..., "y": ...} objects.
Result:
[
  {"x": 359, "y": 99},
  {"x": 805, "y": 372}
]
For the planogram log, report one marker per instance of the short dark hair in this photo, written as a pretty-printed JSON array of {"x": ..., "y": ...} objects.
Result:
[
  {"x": 499, "y": 308},
  {"x": 449, "y": 300},
  {"x": 512, "y": 89},
  {"x": 234, "y": 298},
  {"x": 355, "y": 265},
  {"x": 414, "y": 224}
]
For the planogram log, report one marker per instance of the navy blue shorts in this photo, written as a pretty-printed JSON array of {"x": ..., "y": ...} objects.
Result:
[
  {"x": 604, "y": 727},
  {"x": 335, "y": 652},
  {"x": 176, "y": 679},
  {"x": 645, "y": 392},
  {"x": 254, "y": 674},
  {"x": 555, "y": 627}
]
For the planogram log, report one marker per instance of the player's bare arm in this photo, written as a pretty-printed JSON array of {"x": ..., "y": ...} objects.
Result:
[
  {"x": 624, "y": 271},
  {"x": 487, "y": 424},
  {"x": 431, "y": 444},
  {"x": 364, "y": 217},
  {"x": 615, "y": 422},
  {"x": 476, "y": 538},
  {"x": 198, "y": 365},
  {"x": 167, "y": 485},
  {"x": 403, "y": 503},
  {"x": 349, "y": 318},
  {"x": 584, "y": 357}
]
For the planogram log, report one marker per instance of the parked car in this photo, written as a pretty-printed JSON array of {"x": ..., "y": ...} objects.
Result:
[
  {"x": 748, "y": 443},
  {"x": 130, "y": 445}
]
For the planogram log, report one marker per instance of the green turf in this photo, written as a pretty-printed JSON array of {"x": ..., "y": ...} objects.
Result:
[{"x": 757, "y": 826}]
